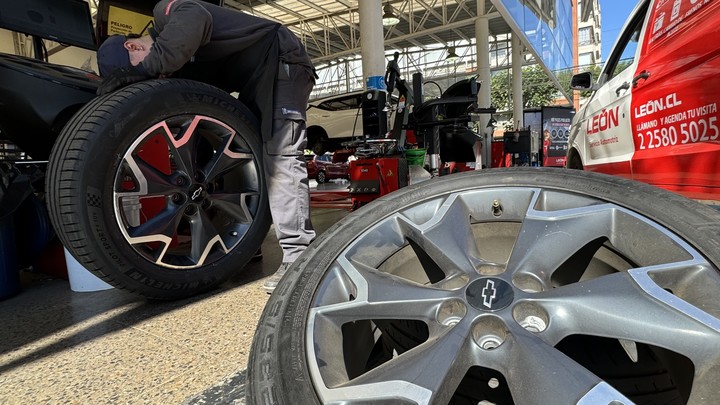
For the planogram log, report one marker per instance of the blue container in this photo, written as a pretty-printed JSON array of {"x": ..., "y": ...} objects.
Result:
[
  {"x": 9, "y": 274},
  {"x": 375, "y": 83}
]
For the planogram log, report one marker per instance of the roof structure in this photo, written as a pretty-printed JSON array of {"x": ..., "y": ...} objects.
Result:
[{"x": 330, "y": 29}]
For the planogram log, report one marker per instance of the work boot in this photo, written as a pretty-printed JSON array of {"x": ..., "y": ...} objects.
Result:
[{"x": 273, "y": 281}]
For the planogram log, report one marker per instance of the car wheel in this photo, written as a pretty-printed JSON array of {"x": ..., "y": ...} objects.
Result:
[
  {"x": 321, "y": 177},
  {"x": 527, "y": 286},
  {"x": 574, "y": 161},
  {"x": 319, "y": 148},
  {"x": 317, "y": 140},
  {"x": 158, "y": 188}
]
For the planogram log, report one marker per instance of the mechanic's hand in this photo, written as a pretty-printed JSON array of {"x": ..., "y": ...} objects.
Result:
[{"x": 122, "y": 77}]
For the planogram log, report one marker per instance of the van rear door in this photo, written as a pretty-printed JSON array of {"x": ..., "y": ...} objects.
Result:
[{"x": 675, "y": 119}]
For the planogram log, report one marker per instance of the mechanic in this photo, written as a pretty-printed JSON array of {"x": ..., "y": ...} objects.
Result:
[{"x": 237, "y": 52}]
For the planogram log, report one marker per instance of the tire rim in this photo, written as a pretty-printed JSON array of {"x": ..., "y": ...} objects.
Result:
[
  {"x": 186, "y": 192},
  {"x": 321, "y": 177},
  {"x": 487, "y": 282}
]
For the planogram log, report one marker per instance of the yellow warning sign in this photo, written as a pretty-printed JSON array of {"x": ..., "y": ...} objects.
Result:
[{"x": 123, "y": 22}]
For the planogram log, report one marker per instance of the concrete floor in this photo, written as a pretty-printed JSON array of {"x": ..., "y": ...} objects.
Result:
[{"x": 63, "y": 347}]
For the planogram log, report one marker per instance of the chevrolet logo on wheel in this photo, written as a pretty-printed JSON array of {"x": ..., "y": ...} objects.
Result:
[{"x": 488, "y": 293}]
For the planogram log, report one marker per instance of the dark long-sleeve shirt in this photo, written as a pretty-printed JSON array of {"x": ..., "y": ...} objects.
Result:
[{"x": 203, "y": 32}]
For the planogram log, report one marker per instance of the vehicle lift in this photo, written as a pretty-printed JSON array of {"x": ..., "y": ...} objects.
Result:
[{"x": 381, "y": 167}]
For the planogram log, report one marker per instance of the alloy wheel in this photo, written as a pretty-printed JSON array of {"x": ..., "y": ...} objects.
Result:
[
  {"x": 511, "y": 294},
  {"x": 186, "y": 192}
]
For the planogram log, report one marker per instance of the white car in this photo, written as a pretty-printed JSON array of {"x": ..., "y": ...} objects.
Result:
[{"x": 335, "y": 119}]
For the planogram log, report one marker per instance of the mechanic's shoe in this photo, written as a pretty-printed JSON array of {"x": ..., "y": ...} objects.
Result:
[
  {"x": 273, "y": 281},
  {"x": 257, "y": 256}
]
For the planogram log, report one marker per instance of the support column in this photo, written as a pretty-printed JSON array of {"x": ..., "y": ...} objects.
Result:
[
  {"x": 517, "y": 95},
  {"x": 482, "y": 32},
  {"x": 372, "y": 41},
  {"x": 482, "y": 51},
  {"x": 576, "y": 56}
]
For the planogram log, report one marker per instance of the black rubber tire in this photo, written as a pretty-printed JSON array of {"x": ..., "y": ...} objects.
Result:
[
  {"x": 317, "y": 140},
  {"x": 574, "y": 161},
  {"x": 277, "y": 367},
  {"x": 81, "y": 173},
  {"x": 321, "y": 177}
]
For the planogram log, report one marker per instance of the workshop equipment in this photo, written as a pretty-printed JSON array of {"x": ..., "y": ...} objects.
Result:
[
  {"x": 382, "y": 166},
  {"x": 375, "y": 177}
]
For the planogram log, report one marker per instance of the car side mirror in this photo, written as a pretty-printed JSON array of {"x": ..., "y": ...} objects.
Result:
[{"x": 582, "y": 81}]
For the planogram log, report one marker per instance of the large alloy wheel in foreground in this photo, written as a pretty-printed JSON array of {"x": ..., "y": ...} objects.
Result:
[
  {"x": 158, "y": 188},
  {"x": 525, "y": 286}
]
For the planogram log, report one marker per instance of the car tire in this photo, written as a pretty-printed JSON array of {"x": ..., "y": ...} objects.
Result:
[
  {"x": 321, "y": 177},
  {"x": 317, "y": 140},
  {"x": 574, "y": 161},
  {"x": 606, "y": 297},
  {"x": 158, "y": 188}
]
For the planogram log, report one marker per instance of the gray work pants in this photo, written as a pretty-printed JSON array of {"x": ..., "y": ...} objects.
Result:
[{"x": 285, "y": 167}]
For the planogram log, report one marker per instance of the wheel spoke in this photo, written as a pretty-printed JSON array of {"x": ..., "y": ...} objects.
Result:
[
  {"x": 203, "y": 235},
  {"x": 160, "y": 228},
  {"x": 429, "y": 373},
  {"x": 225, "y": 160},
  {"x": 383, "y": 287},
  {"x": 547, "y": 240},
  {"x": 221, "y": 163},
  {"x": 446, "y": 238},
  {"x": 235, "y": 205},
  {"x": 658, "y": 318},
  {"x": 538, "y": 373},
  {"x": 184, "y": 148},
  {"x": 387, "y": 296},
  {"x": 152, "y": 182}
]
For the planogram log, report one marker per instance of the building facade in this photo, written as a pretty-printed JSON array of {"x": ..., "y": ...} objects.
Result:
[{"x": 589, "y": 33}]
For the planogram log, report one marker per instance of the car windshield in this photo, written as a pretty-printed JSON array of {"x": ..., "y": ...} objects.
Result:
[{"x": 341, "y": 103}]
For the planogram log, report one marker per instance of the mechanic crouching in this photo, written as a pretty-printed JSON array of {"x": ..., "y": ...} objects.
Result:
[{"x": 262, "y": 61}]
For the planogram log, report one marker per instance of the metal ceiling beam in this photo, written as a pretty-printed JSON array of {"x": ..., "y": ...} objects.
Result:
[
  {"x": 237, "y": 6},
  {"x": 330, "y": 35},
  {"x": 391, "y": 41}
]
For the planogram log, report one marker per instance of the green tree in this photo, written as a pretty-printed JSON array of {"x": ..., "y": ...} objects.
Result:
[
  {"x": 500, "y": 86},
  {"x": 538, "y": 90}
]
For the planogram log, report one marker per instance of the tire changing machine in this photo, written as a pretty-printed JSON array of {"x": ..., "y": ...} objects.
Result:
[{"x": 382, "y": 166}]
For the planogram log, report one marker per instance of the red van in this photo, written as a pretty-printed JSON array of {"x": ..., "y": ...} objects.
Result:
[{"x": 654, "y": 116}]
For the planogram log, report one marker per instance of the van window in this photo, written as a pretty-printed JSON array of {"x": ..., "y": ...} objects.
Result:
[
  {"x": 627, "y": 57},
  {"x": 623, "y": 54}
]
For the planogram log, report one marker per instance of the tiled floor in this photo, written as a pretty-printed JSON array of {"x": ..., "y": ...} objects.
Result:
[{"x": 64, "y": 347}]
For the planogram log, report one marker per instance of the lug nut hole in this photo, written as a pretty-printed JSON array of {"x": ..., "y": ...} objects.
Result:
[
  {"x": 489, "y": 332},
  {"x": 531, "y": 317}
]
